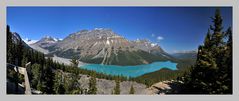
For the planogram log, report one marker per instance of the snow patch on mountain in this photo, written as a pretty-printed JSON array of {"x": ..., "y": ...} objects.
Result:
[
  {"x": 153, "y": 44},
  {"x": 57, "y": 39},
  {"x": 29, "y": 41},
  {"x": 108, "y": 42}
]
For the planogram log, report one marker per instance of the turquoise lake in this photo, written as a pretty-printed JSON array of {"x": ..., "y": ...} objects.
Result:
[{"x": 130, "y": 71}]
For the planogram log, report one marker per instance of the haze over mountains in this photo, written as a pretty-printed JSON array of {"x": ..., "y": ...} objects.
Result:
[
  {"x": 102, "y": 46},
  {"x": 185, "y": 54}
]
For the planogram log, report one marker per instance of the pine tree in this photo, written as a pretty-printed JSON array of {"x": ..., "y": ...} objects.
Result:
[
  {"x": 19, "y": 50},
  {"x": 212, "y": 73},
  {"x": 92, "y": 85},
  {"x": 225, "y": 70},
  {"x": 71, "y": 84},
  {"x": 61, "y": 89},
  {"x": 48, "y": 77},
  {"x": 207, "y": 40},
  {"x": 131, "y": 90},
  {"x": 74, "y": 62},
  {"x": 9, "y": 46},
  {"x": 217, "y": 28},
  {"x": 58, "y": 84},
  {"x": 24, "y": 58},
  {"x": 117, "y": 87},
  {"x": 35, "y": 70}
]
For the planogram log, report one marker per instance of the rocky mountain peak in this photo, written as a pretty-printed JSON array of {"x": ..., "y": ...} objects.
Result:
[
  {"x": 97, "y": 33},
  {"x": 47, "y": 39},
  {"x": 101, "y": 45},
  {"x": 46, "y": 42}
]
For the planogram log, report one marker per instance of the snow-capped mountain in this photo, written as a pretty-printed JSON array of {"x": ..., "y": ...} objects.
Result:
[
  {"x": 29, "y": 41},
  {"x": 106, "y": 47},
  {"x": 46, "y": 42},
  {"x": 43, "y": 44},
  {"x": 100, "y": 46}
]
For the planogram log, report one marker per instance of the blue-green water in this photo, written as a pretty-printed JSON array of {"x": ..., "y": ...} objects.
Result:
[{"x": 130, "y": 71}]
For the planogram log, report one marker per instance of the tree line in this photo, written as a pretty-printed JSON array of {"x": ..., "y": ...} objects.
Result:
[
  {"x": 48, "y": 76},
  {"x": 212, "y": 72}
]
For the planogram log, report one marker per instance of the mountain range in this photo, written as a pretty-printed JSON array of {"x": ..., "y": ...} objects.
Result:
[
  {"x": 102, "y": 46},
  {"x": 185, "y": 54}
]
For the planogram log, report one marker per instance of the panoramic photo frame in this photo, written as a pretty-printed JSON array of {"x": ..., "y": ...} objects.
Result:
[
  {"x": 122, "y": 50},
  {"x": 98, "y": 60}
]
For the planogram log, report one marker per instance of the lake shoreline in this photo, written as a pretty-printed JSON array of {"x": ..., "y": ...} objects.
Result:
[{"x": 130, "y": 71}]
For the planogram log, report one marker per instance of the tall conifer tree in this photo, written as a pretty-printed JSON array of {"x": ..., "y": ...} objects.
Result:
[{"x": 212, "y": 73}]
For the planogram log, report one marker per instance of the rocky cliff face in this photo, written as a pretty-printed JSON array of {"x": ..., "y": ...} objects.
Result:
[
  {"x": 43, "y": 44},
  {"x": 17, "y": 39},
  {"x": 104, "y": 46},
  {"x": 105, "y": 87},
  {"x": 46, "y": 42}
]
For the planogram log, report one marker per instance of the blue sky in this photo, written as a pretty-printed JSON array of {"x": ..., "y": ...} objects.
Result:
[{"x": 173, "y": 28}]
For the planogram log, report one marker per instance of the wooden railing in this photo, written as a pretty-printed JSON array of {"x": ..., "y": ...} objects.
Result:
[{"x": 23, "y": 71}]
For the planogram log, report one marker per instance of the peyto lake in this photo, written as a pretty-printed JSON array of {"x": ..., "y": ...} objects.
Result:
[{"x": 130, "y": 71}]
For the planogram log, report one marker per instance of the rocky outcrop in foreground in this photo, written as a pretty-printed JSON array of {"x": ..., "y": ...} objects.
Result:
[
  {"x": 105, "y": 87},
  {"x": 164, "y": 87}
]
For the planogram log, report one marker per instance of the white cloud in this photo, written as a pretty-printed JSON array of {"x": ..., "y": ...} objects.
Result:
[{"x": 159, "y": 38}]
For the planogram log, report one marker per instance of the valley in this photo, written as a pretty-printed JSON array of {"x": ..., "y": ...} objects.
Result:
[
  {"x": 131, "y": 58},
  {"x": 107, "y": 52},
  {"x": 113, "y": 61}
]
